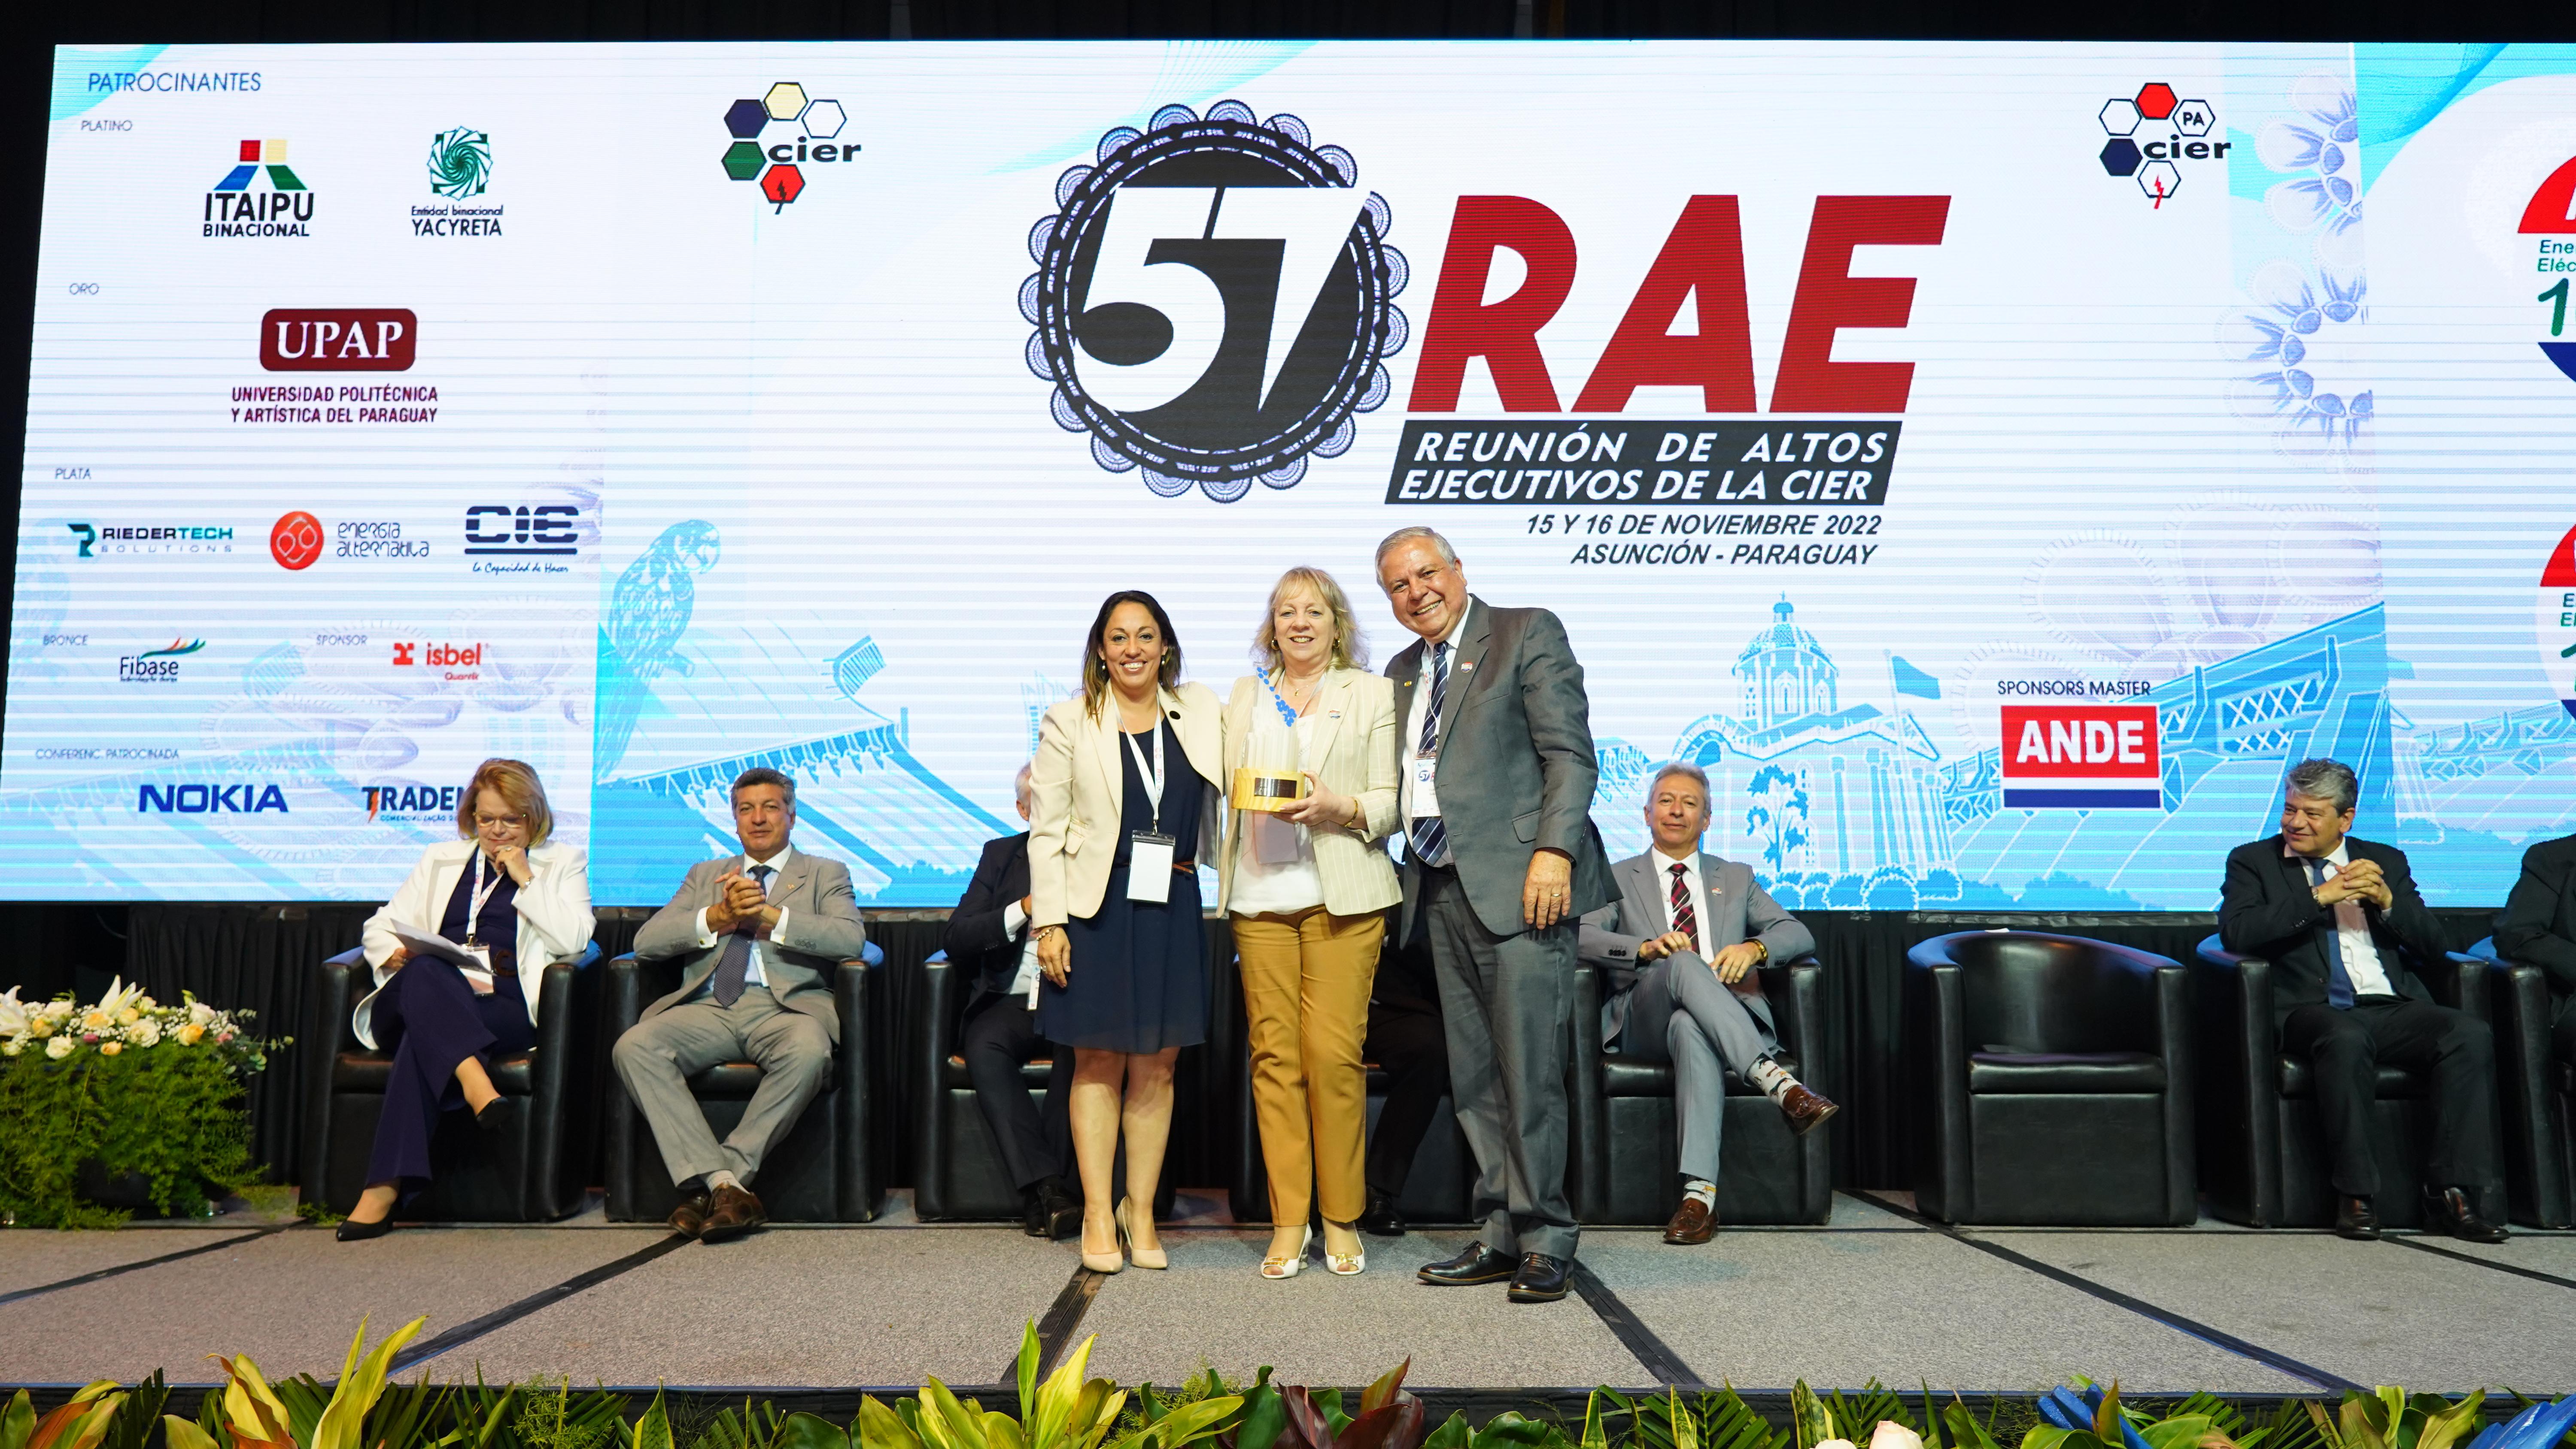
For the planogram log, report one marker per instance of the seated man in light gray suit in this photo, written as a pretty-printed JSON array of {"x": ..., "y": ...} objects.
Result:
[
  {"x": 1681, "y": 942},
  {"x": 761, "y": 934}
]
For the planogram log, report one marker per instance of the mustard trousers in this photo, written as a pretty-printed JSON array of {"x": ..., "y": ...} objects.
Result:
[{"x": 1306, "y": 980}]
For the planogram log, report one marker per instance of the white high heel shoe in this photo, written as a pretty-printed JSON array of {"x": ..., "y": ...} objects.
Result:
[
  {"x": 1291, "y": 1267},
  {"x": 1346, "y": 1265}
]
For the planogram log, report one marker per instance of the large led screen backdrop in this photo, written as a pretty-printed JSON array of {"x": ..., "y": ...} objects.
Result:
[{"x": 1993, "y": 463}]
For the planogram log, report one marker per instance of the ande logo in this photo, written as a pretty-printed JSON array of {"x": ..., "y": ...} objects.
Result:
[
  {"x": 2151, "y": 133},
  {"x": 1214, "y": 301},
  {"x": 156, "y": 666},
  {"x": 460, "y": 169},
  {"x": 260, "y": 196},
  {"x": 808, "y": 133}
]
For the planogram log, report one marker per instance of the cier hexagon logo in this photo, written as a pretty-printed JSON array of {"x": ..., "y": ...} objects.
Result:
[
  {"x": 2152, "y": 133},
  {"x": 776, "y": 137},
  {"x": 1214, "y": 301}
]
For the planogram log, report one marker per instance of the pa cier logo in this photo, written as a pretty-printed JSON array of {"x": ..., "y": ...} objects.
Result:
[
  {"x": 1214, "y": 301},
  {"x": 2153, "y": 132},
  {"x": 777, "y": 136}
]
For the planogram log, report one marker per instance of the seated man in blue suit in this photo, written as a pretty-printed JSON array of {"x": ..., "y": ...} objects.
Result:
[
  {"x": 1681, "y": 942},
  {"x": 988, "y": 941}
]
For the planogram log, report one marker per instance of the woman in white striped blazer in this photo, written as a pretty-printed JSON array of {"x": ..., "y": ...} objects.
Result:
[{"x": 1308, "y": 886}]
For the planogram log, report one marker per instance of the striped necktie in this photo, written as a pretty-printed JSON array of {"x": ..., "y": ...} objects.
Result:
[
  {"x": 1685, "y": 919},
  {"x": 1430, "y": 838}
]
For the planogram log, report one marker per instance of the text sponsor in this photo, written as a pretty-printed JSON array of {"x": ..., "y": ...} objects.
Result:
[
  {"x": 374, "y": 539},
  {"x": 107, "y": 752},
  {"x": 297, "y": 404},
  {"x": 170, "y": 82},
  {"x": 105, "y": 540},
  {"x": 2082, "y": 757},
  {"x": 2071, "y": 688},
  {"x": 211, "y": 797},
  {"x": 1644, "y": 463},
  {"x": 345, "y": 339},
  {"x": 157, "y": 666}
]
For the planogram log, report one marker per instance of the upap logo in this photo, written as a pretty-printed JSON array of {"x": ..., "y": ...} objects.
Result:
[
  {"x": 808, "y": 134},
  {"x": 1214, "y": 301},
  {"x": 260, "y": 196},
  {"x": 2152, "y": 133}
]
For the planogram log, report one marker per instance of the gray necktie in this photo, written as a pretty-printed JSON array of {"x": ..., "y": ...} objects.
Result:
[{"x": 736, "y": 962}]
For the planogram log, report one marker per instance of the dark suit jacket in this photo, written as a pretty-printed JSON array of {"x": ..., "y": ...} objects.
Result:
[
  {"x": 1516, "y": 763},
  {"x": 2265, "y": 910},
  {"x": 976, "y": 941},
  {"x": 2539, "y": 920}
]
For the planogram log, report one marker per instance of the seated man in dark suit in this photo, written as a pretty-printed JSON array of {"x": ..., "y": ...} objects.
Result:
[
  {"x": 988, "y": 937},
  {"x": 2539, "y": 926},
  {"x": 2333, "y": 915},
  {"x": 1408, "y": 1040},
  {"x": 1681, "y": 941}
]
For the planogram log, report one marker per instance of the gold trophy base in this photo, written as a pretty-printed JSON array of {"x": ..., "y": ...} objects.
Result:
[{"x": 1257, "y": 790}]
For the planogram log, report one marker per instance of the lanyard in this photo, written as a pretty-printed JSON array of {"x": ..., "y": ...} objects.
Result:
[
  {"x": 482, "y": 894},
  {"x": 1154, "y": 776}
]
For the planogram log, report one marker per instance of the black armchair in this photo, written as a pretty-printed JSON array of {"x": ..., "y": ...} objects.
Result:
[
  {"x": 2263, "y": 1153},
  {"x": 533, "y": 1172},
  {"x": 2536, "y": 1090},
  {"x": 820, "y": 1172},
  {"x": 2055, "y": 1073},
  {"x": 1630, "y": 1136}
]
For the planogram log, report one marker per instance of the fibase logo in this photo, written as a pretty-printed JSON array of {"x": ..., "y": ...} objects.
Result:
[
  {"x": 808, "y": 133},
  {"x": 2551, "y": 219},
  {"x": 2081, "y": 757},
  {"x": 260, "y": 196},
  {"x": 460, "y": 169},
  {"x": 218, "y": 797},
  {"x": 156, "y": 666},
  {"x": 2152, "y": 134},
  {"x": 1214, "y": 301}
]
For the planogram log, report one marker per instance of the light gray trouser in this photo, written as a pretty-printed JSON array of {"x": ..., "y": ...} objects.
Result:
[
  {"x": 656, "y": 1058},
  {"x": 1506, "y": 1001},
  {"x": 1679, "y": 1011}
]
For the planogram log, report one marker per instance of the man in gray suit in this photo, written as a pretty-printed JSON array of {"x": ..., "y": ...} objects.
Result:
[
  {"x": 761, "y": 934},
  {"x": 1497, "y": 773},
  {"x": 1678, "y": 994}
]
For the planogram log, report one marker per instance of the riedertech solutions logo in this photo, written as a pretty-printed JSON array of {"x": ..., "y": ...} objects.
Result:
[{"x": 1214, "y": 301}]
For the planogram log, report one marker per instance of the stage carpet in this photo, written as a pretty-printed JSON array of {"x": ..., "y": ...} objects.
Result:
[{"x": 1876, "y": 1293}]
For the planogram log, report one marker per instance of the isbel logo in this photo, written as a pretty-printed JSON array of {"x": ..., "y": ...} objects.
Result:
[
  {"x": 1214, "y": 301},
  {"x": 2152, "y": 133},
  {"x": 296, "y": 540},
  {"x": 156, "y": 666},
  {"x": 338, "y": 339},
  {"x": 215, "y": 797},
  {"x": 776, "y": 137},
  {"x": 2082, "y": 757},
  {"x": 260, "y": 196},
  {"x": 451, "y": 657}
]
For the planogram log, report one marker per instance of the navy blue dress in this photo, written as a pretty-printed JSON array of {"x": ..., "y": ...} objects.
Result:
[
  {"x": 1139, "y": 978},
  {"x": 431, "y": 1021}
]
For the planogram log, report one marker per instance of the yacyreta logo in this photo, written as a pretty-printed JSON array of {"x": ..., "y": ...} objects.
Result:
[
  {"x": 341, "y": 339},
  {"x": 296, "y": 540},
  {"x": 460, "y": 168},
  {"x": 1214, "y": 301},
  {"x": 808, "y": 134},
  {"x": 2151, "y": 133}
]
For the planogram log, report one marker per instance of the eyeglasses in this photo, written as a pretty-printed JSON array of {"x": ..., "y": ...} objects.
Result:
[{"x": 504, "y": 822}]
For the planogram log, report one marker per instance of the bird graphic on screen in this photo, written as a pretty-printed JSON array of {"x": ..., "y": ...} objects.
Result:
[{"x": 640, "y": 640}]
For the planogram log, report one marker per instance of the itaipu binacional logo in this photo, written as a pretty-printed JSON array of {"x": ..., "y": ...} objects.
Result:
[
  {"x": 2152, "y": 134},
  {"x": 808, "y": 133},
  {"x": 1214, "y": 301}
]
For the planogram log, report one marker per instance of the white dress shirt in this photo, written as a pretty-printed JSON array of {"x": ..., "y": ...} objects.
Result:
[
  {"x": 751, "y": 973},
  {"x": 1025, "y": 984},
  {"x": 1287, "y": 881},
  {"x": 1698, "y": 895},
  {"x": 2361, "y": 964},
  {"x": 1411, "y": 744}
]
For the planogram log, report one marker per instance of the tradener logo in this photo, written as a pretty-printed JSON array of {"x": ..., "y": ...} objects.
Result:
[
  {"x": 338, "y": 339},
  {"x": 2082, "y": 757}
]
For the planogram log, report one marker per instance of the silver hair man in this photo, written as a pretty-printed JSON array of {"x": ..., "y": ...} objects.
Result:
[
  {"x": 2329, "y": 780},
  {"x": 1431, "y": 536}
]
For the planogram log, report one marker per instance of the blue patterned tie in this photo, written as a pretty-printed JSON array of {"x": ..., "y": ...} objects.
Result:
[
  {"x": 2338, "y": 984},
  {"x": 1431, "y": 838},
  {"x": 735, "y": 966}
]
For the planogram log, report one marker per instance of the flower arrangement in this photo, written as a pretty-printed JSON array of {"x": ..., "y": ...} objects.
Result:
[{"x": 121, "y": 1087}]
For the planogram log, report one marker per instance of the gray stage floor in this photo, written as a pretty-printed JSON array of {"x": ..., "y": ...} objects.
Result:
[{"x": 1875, "y": 1293}]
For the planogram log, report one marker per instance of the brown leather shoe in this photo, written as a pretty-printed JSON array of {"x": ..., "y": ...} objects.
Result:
[
  {"x": 1692, "y": 1224},
  {"x": 689, "y": 1219},
  {"x": 1805, "y": 1108},
  {"x": 736, "y": 1212}
]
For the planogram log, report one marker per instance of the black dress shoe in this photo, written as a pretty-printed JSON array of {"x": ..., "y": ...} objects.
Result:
[
  {"x": 2450, "y": 1210},
  {"x": 356, "y": 1232},
  {"x": 1542, "y": 1279},
  {"x": 2355, "y": 1219},
  {"x": 1474, "y": 1264},
  {"x": 1053, "y": 1213},
  {"x": 1381, "y": 1220},
  {"x": 496, "y": 1114}
]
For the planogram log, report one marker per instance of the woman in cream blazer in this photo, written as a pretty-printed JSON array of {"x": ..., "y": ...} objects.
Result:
[
  {"x": 1308, "y": 886},
  {"x": 501, "y": 891},
  {"x": 1126, "y": 806}
]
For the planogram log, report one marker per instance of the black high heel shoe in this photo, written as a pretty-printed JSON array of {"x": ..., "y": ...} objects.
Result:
[
  {"x": 495, "y": 1115},
  {"x": 357, "y": 1232}
]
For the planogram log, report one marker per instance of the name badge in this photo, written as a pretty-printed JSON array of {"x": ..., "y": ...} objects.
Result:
[
  {"x": 478, "y": 975},
  {"x": 1149, "y": 867},
  {"x": 1426, "y": 787}
]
